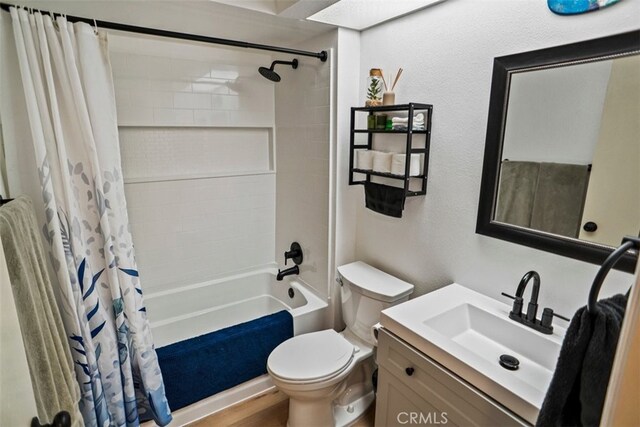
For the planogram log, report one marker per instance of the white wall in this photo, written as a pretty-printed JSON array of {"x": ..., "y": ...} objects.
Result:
[
  {"x": 447, "y": 53},
  {"x": 554, "y": 115},
  {"x": 346, "y": 197},
  {"x": 196, "y": 134},
  {"x": 303, "y": 130}
]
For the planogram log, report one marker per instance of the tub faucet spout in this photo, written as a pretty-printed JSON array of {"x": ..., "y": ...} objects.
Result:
[{"x": 287, "y": 272}]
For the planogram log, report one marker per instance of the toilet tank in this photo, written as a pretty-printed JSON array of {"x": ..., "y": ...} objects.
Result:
[{"x": 365, "y": 292}]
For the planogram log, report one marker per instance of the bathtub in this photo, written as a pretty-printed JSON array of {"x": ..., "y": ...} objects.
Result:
[{"x": 194, "y": 310}]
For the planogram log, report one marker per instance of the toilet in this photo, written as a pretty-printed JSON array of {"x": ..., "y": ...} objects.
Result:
[{"x": 326, "y": 374}]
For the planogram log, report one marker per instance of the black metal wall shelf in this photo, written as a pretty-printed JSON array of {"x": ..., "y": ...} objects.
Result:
[
  {"x": 411, "y": 109},
  {"x": 398, "y": 107},
  {"x": 402, "y": 132},
  {"x": 384, "y": 174}
]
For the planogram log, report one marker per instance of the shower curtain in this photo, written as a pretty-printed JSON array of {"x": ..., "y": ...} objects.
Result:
[{"x": 68, "y": 89}]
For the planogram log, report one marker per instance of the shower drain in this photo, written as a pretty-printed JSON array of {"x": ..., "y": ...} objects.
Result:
[
  {"x": 291, "y": 293},
  {"x": 509, "y": 362}
]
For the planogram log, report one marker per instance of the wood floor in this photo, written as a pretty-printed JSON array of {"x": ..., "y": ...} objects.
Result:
[{"x": 267, "y": 410}]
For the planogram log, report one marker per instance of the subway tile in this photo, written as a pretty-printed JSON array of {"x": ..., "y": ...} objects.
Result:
[
  {"x": 223, "y": 74},
  {"x": 210, "y": 118},
  {"x": 181, "y": 85},
  {"x": 191, "y": 68},
  {"x": 140, "y": 97},
  {"x": 172, "y": 117},
  {"x": 317, "y": 133},
  {"x": 129, "y": 115},
  {"x": 250, "y": 118},
  {"x": 161, "y": 99},
  {"x": 159, "y": 85},
  {"x": 118, "y": 62},
  {"x": 122, "y": 97},
  {"x": 319, "y": 115},
  {"x": 213, "y": 88},
  {"x": 316, "y": 97},
  {"x": 196, "y": 101},
  {"x": 136, "y": 66},
  {"x": 225, "y": 102},
  {"x": 222, "y": 218}
]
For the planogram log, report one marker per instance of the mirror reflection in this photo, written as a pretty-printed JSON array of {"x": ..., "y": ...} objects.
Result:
[{"x": 570, "y": 161}]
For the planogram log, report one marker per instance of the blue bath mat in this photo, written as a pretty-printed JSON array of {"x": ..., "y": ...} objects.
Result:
[{"x": 200, "y": 367}]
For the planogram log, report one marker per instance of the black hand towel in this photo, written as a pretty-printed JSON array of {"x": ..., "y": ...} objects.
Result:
[
  {"x": 384, "y": 199},
  {"x": 577, "y": 391}
]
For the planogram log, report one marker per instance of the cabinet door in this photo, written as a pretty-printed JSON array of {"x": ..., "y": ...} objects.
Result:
[
  {"x": 398, "y": 405},
  {"x": 432, "y": 388}
]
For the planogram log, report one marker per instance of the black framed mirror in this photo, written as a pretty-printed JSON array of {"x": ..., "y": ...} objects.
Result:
[{"x": 561, "y": 169}]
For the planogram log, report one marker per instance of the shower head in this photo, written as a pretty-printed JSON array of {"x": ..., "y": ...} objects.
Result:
[{"x": 270, "y": 74}]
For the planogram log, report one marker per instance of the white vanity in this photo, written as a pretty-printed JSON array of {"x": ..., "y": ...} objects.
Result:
[{"x": 439, "y": 362}]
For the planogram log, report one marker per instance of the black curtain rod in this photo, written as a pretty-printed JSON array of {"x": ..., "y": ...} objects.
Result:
[{"x": 182, "y": 36}]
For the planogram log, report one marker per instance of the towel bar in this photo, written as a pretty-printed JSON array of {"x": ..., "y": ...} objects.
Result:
[{"x": 627, "y": 243}]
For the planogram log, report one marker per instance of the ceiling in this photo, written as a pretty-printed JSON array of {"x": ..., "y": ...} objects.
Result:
[{"x": 256, "y": 21}]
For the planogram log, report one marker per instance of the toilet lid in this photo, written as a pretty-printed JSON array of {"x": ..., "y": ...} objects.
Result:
[{"x": 311, "y": 356}]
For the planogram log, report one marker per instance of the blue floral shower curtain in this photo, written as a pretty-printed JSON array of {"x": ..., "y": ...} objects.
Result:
[{"x": 70, "y": 101}]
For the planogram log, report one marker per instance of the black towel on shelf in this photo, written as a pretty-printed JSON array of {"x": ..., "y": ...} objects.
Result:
[
  {"x": 577, "y": 391},
  {"x": 384, "y": 199}
]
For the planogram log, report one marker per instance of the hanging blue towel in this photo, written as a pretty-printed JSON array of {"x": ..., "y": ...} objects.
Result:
[{"x": 200, "y": 367}]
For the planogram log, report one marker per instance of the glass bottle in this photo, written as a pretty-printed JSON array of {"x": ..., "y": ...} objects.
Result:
[{"x": 374, "y": 88}]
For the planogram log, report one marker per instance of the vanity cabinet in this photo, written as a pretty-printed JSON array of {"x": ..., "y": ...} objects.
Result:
[
  {"x": 420, "y": 148},
  {"x": 415, "y": 390}
]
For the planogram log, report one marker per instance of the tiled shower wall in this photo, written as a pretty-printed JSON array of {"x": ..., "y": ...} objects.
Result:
[
  {"x": 303, "y": 151},
  {"x": 196, "y": 134}
]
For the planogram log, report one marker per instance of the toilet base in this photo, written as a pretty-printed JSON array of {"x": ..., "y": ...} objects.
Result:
[
  {"x": 348, "y": 414},
  {"x": 325, "y": 414}
]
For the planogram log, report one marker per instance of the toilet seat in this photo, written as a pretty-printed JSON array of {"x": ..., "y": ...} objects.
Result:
[{"x": 311, "y": 357}]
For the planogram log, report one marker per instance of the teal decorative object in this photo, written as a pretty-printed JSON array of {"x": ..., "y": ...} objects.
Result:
[{"x": 574, "y": 7}]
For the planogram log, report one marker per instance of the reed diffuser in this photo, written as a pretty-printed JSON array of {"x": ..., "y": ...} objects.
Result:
[{"x": 389, "y": 96}]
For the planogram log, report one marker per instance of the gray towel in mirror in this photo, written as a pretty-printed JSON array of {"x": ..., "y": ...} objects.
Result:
[
  {"x": 516, "y": 192},
  {"x": 559, "y": 198}
]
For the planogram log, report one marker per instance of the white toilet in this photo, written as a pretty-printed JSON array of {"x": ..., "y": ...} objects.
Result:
[{"x": 326, "y": 374}]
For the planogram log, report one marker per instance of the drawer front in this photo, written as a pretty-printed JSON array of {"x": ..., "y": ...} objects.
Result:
[{"x": 463, "y": 403}]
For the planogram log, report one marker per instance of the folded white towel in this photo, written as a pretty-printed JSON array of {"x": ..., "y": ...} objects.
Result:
[
  {"x": 405, "y": 127},
  {"x": 398, "y": 164},
  {"x": 417, "y": 119},
  {"x": 407, "y": 123},
  {"x": 382, "y": 161},
  {"x": 364, "y": 159}
]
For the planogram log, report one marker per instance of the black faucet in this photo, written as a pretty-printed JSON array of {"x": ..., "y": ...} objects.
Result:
[
  {"x": 532, "y": 308},
  {"x": 529, "y": 319},
  {"x": 287, "y": 272}
]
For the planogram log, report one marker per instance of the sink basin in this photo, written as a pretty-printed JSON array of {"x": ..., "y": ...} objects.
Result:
[{"x": 467, "y": 332}]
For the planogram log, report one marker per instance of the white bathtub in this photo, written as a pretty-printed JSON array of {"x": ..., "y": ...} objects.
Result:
[{"x": 195, "y": 310}]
